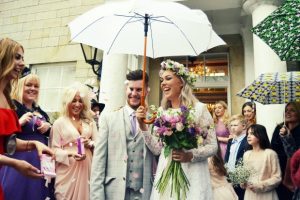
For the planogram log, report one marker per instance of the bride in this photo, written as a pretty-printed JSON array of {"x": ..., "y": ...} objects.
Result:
[{"x": 176, "y": 84}]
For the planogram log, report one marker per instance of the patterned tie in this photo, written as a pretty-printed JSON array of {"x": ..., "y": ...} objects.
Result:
[{"x": 133, "y": 123}]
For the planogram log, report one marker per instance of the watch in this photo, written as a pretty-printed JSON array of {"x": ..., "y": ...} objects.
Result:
[{"x": 10, "y": 144}]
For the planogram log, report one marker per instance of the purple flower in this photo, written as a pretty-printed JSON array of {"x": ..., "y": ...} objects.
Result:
[
  {"x": 192, "y": 131},
  {"x": 183, "y": 109}
]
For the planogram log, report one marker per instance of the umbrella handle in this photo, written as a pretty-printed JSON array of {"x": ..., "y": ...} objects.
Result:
[{"x": 151, "y": 120}]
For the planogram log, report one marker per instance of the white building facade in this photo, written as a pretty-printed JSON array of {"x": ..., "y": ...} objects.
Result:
[{"x": 41, "y": 27}]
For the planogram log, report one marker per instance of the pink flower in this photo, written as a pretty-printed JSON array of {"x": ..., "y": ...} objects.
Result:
[{"x": 168, "y": 132}]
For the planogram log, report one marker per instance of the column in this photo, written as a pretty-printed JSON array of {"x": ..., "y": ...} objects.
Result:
[
  {"x": 265, "y": 60},
  {"x": 112, "y": 87},
  {"x": 248, "y": 49}
]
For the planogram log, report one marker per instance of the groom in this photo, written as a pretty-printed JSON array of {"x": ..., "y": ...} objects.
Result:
[{"x": 122, "y": 164}]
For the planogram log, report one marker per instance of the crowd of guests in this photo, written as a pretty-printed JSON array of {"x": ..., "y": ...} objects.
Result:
[{"x": 121, "y": 157}]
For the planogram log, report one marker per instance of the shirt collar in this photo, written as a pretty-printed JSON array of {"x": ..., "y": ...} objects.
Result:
[
  {"x": 129, "y": 110},
  {"x": 240, "y": 137}
]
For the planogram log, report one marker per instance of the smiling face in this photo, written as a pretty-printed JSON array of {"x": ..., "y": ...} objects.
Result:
[
  {"x": 171, "y": 85},
  {"x": 134, "y": 93},
  {"x": 248, "y": 113},
  {"x": 18, "y": 65},
  {"x": 291, "y": 114},
  {"x": 31, "y": 90},
  {"x": 75, "y": 106}
]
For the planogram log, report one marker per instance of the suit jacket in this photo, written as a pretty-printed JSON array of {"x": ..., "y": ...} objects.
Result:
[
  {"x": 109, "y": 165},
  {"x": 242, "y": 148}
]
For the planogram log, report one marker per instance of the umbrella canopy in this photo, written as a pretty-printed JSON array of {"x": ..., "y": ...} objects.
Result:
[
  {"x": 281, "y": 31},
  {"x": 119, "y": 27},
  {"x": 274, "y": 88},
  {"x": 122, "y": 27}
]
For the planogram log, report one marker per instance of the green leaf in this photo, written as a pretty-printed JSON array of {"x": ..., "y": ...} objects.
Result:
[{"x": 167, "y": 151}]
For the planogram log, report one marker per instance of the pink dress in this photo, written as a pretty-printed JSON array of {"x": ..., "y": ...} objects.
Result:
[
  {"x": 72, "y": 177},
  {"x": 222, "y": 131}
]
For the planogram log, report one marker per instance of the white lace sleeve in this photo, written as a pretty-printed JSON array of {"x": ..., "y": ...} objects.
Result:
[
  {"x": 210, "y": 145},
  {"x": 152, "y": 142}
]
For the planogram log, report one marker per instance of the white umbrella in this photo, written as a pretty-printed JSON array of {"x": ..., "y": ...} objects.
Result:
[
  {"x": 170, "y": 29},
  {"x": 118, "y": 27}
]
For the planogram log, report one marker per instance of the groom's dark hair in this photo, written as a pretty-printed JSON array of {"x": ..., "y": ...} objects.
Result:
[{"x": 137, "y": 75}]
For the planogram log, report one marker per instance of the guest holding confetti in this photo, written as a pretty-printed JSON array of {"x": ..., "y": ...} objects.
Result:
[
  {"x": 35, "y": 126},
  {"x": 72, "y": 139}
]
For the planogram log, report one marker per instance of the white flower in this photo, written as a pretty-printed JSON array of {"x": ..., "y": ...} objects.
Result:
[{"x": 179, "y": 126}]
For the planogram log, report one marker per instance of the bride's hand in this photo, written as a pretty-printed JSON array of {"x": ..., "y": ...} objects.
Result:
[
  {"x": 141, "y": 114},
  {"x": 181, "y": 156}
]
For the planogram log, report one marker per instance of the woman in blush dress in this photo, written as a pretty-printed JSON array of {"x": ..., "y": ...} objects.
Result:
[
  {"x": 73, "y": 164},
  {"x": 35, "y": 126},
  {"x": 220, "y": 116}
]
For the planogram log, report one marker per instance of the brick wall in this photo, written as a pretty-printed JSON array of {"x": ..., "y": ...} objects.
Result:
[{"x": 41, "y": 27}]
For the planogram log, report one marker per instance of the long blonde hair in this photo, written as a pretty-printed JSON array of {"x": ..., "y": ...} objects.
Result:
[
  {"x": 18, "y": 89},
  {"x": 225, "y": 117},
  {"x": 8, "y": 50},
  {"x": 187, "y": 98},
  {"x": 68, "y": 97}
]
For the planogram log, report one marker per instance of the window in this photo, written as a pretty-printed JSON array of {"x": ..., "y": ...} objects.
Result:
[{"x": 54, "y": 78}]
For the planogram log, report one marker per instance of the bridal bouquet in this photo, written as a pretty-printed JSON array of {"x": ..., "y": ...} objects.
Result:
[{"x": 177, "y": 129}]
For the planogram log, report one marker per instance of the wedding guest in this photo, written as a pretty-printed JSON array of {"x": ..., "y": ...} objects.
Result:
[
  {"x": 176, "y": 84},
  {"x": 35, "y": 126},
  {"x": 295, "y": 173},
  {"x": 97, "y": 108},
  {"x": 285, "y": 141},
  {"x": 221, "y": 188},
  {"x": 236, "y": 146},
  {"x": 220, "y": 116},
  {"x": 11, "y": 65},
  {"x": 73, "y": 164},
  {"x": 264, "y": 161},
  {"x": 122, "y": 164},
  {"x": 249, "y": 112}
]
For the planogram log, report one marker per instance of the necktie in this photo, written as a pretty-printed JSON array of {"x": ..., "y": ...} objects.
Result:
[{"x": 133, "y": 123}]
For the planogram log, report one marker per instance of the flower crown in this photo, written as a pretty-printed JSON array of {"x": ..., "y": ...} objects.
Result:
[{"x": 180, "y": 70}]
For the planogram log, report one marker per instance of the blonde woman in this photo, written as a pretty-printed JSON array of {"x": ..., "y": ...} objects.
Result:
[
  {"x": 176, "y": 84},
  {"x": 220, "y": 116},
  {"x": 35, "y": 126},
  {"x": 72, "y": 168}
]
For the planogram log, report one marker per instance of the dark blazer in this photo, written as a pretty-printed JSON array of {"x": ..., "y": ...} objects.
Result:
[{"x": 242, "y": 148}]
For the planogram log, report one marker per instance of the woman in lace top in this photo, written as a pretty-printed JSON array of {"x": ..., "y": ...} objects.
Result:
[{"x": 176, "y": 84}]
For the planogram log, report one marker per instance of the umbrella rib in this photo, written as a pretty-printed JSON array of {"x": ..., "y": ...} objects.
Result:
[
  {"x": 184, "y": 35},
  {"x": 119, "y": 33},
  {"x": 151, "y": 37},
  {"x": 86, "y": 28}
]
